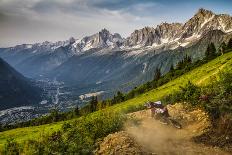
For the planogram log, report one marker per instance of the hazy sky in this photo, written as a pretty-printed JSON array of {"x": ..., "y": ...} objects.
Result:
[{"x": 30, "y": 21}]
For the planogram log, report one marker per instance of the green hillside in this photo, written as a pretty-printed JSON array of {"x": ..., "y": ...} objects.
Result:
[{"x": 200, "y": 76}]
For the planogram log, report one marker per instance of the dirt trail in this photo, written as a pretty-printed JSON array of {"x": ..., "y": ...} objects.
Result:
[{"x": 152, "y": 137}]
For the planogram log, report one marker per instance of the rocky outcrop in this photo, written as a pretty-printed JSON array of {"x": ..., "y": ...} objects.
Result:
[
  {"x": 102, "y": 39},
  {"x": 142, "y": 37},
  {"x": 148, "y": 36},
  {"x": 179, "y": 34},
  {"x": 168, "y": 31}
]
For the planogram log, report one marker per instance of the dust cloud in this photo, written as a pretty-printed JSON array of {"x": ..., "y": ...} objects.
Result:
[
  {"x": 157, "y": 138},
  {"x": 144, "y": 135}
]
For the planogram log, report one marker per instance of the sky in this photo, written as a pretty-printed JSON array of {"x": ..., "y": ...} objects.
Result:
[{"x": 32, "y": 21}]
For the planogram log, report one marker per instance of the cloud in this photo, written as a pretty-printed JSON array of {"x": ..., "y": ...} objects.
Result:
[{"x": 30, "y": 21}]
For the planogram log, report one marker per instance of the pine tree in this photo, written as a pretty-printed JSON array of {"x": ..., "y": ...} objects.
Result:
[
  {"x": 179, "y": 65},
  {"x": 157, "y": 75},
  {"x": 188, "y": 59},
  {"x": 102, "y": 104},
  {"x": 222, "y": 48},
  {"x": 93, "y": 103},
  {"x": 171, "y": 68},
  {"x": 229, "y": 45},
  {"x": 77, "y": 111},
  {"x": 213, "y": 50},
  {"x": 54, "y": 115},
  {"x": 119, "y": 97},
  {"x": 207, "y": 52},
  {"x": 1, "y": 127},
  {"x": 210, "y": 52}
]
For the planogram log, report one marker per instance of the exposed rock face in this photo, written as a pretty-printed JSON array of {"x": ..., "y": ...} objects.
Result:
[
  {"x": 205, "y": 21},
  {"x": 166, "y": 30},
  {"x": 180, "y": 34},
  {"x": 196, "y": 23},
  {"x": 143, "y": 37},
  {"x": 148, "y": 36},
  {"x": 102, "y": 39}
]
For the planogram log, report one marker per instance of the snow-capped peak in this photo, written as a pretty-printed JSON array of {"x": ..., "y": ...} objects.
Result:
[
  {"x": 163, "y": 36},
  {"x": 174, "y": 35},
  {"x": 102, "y": 39}
]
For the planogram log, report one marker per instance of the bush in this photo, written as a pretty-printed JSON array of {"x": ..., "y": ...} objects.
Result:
[
  {"x": 78, "y": 137},
  {"x": 11, "y": 148},
  {"x": 226, "y": 83},
  {"x": 190, "y": 93}
]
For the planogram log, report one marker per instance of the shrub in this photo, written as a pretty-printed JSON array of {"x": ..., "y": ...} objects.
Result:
[
  {"x": 11, "y": 147},
  {"x": 190, "y": 93},
  {"x": 226, "y": 82},
  {"x": 78, "y": 137}
]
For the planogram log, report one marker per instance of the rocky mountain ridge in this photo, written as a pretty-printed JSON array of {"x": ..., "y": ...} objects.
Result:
[
  {"x": 102, "y": 39},
  {"x": 165, "y": 36},
  {"x": 177, "y": 34}
]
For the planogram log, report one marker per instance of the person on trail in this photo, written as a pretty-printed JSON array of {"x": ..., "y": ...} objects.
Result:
[{"x": 158, "y": 110}]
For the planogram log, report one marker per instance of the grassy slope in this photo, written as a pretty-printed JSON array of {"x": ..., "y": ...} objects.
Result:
[
  {"x": 201, "y": 75},
  {"x": 21, "y": 134}
]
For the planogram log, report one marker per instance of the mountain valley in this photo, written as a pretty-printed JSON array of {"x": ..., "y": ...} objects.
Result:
[{"x": 107, "y": 63}]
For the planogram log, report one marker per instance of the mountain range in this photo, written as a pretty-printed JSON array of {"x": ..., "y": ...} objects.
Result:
[{"x": 106, "y": 62}]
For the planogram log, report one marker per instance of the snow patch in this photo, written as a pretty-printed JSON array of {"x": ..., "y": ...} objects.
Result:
[
  {"x": 164, "y": 40},
  {"x": 227, "y": 31},
  {"x": 28, "y": 46},
  {"x": 184, "y": 44},
  {"x": 135, "y": 52},
  {"x": 76, "y": 43},
  {"x": 34, "y": 51},
  {"x": 175, "y": 46},
  {"x": 109, "y": 43},
  {"x": 43, "y": 102},
  {"x": 154, "y": 45},
  {"x": 87, "y": 46},
  {"x": 176, "y": 39},
  {"x": 193, "y": 37},
  {"x": 55, "y": 47},
  {"x": 98, "y": 82},
  {"x": 144, "y": 67},
  {"x": 136, "y": 46},
  {"x": 223, "y": 26},
  {"x": 107, "y": 71},
  {"x": 207, "y": 20}
]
